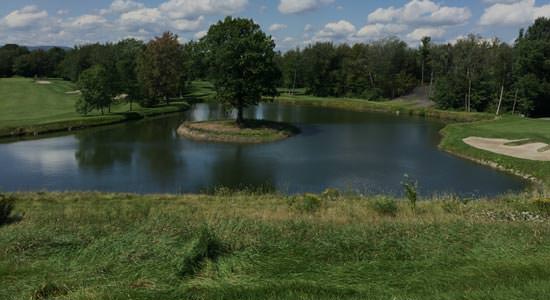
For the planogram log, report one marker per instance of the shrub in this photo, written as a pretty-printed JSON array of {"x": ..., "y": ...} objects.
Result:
[
  {"x": 331, "y": 194},
  {"x": 411, "y": 190},
  {"x": 307, "y": 203},
  {"x": 385, "y": 206},
  {"x": 49, "y": 291},
  {"x": 206, "y": 246},
  {"x": 543, "y": 206},
  {"x": 6, "y": 208}
]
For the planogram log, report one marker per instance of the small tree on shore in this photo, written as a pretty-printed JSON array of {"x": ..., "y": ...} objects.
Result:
[
  {"x": 241, "y": 58},
  {"x": 95, "y": 90}
]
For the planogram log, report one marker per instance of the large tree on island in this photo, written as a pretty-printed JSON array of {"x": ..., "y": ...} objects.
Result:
[
  {"x": 160, "y": 69},
  {"x": 241, "y": 59}
]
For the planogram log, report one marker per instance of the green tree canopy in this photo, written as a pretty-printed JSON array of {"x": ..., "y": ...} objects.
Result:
[
  {"x": 161, "y": 69},
  {"x": 95, "y": 90},
  {"x": 241, "y": 58}
]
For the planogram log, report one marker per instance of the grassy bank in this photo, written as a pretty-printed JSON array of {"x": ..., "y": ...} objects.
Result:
[
  {"x": 397, "y": 106},
  {"x": 228, "y": 131},
  {"x": 245, "y": 246},
  {"x": 509, "y": 128},
  {"x": 29, "y": 108}
]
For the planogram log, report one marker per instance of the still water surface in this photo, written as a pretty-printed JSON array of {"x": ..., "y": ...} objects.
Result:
[{"x": 366, "y": 152}]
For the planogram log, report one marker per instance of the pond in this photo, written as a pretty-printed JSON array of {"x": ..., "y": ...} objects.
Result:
[{"x": 356, "y": 151}]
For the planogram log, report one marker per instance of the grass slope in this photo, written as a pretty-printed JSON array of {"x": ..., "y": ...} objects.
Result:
[
  {"x": 397, "y": 106},
  {"x": 245, "y": 246},
  {"x": 30, "y": 108},
  {"x": 508, "y": 128}
]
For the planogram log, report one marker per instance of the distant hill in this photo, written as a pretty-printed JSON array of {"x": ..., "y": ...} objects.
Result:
[{"x": 46, "y": 48}]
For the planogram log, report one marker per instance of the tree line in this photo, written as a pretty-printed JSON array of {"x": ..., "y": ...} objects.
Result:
[{"x": 472, "y": 74}]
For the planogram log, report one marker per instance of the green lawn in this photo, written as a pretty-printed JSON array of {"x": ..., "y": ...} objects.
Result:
[
  {"x": 27, "y": 107},
  {"x": 397, "y": 106},
  {"x": 508, "y": 128},
  {"x": 246, "y": 246}
]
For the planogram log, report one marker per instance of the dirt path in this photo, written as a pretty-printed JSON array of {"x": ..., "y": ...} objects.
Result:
[
  {"x": 419, "y": 96},
  {"x": 531, "y": 151}
]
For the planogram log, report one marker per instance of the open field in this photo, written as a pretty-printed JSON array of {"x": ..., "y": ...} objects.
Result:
[
  {"x": 247, "y": 246},
  {"x": 28, "y": 108},
  {"x": 513, "y": 128}
]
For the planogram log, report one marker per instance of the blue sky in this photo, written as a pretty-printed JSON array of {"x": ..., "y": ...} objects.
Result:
[{"x": 291, "y": 22}]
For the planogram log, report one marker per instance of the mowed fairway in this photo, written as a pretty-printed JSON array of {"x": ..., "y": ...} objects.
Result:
[
  {"x": 27, "y": 107},
  {"x": 23, "y": 101},
  {"x": 513, "y": 128}
]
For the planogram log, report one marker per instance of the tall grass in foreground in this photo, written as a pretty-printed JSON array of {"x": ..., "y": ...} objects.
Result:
[{"x": 266, "y": 246}]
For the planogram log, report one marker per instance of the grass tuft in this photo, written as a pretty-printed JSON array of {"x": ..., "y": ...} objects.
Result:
[
  {"x": 49, "y": 290},
  {"x": 207, "y": 246}
]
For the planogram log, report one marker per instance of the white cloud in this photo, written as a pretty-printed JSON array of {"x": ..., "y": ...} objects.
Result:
[
  {"x": 122, "y": 6},
  {"x": 301, "y": 6},
  {"x": 379, "y": 30},
  {"x": 421, "y": 12},
  {"x": 141, "y": 16},
  {"x": 187, "y": 25},
  {"x": 419, "y": 33},
  {"x": 194, "y": 8},
  {"x": 518, "y": 13},
  {"x": 308, "y": 27},
  {"x": 199, "y": 35},
  {"x": 336, "y": 31},
  {"x": 277, "y": 27},
  {"x": 86, "y": 21},
  {"x": 25, "y": 17}
]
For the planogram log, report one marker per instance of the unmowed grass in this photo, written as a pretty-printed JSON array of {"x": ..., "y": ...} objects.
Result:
[{"x": 269, "y": 246}]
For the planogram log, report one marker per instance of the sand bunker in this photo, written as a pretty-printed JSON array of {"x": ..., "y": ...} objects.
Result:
[
  {"x": 77, "y": 92},
  {"x": 43, "y": 82},
  {"x": 531, "y": 151}
]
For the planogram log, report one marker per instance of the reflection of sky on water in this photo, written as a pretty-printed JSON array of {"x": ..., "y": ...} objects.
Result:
[{"x": 348, "y": 150}]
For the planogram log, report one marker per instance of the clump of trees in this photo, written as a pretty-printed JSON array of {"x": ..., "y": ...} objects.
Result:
[
  {"x": 383, "y": 69},
  {"x": 472, "y": 74},
  {"x": 241, "y": 61}
]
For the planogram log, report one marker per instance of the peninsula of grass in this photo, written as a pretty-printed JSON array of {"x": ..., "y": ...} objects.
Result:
[
  {"x": 513, "y": 128},
  {"x": 397, "y": 107},
  {"x": 31, "y": 108},
  {"x": 228, "y": 131},
  {"x": 255, "y": 246}
]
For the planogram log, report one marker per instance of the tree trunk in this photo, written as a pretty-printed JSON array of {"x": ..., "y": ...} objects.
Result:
[
  {"x": 515, "y": 101},
  {"x": 431, "y": 83},
  {"x": 469, "y": 92},
  {"x": 422, "y": 81},
  {"x": 102, "y": 110},
  {"x": 500, "y": 100},
  {"x": 131, "y": 104},
  {"x": 294, "y": 83},
  {"x": 240, "y": 118}
]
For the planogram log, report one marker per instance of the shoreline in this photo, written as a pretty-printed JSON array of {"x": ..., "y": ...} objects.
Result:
[
  {"x": 226, "y": 131},
  {"x": 8, "y": 133}
]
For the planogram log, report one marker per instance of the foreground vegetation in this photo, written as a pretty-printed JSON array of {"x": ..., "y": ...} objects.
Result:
[
  {"x": 514, "y": 128},
  {"x": 251, "y": 246},
  {"x": 29, "y": 108}
]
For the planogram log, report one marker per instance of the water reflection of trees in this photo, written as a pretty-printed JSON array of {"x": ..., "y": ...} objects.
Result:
[{"x": 146, "y": 147}]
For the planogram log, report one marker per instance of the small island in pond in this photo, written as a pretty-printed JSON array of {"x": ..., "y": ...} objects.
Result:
[{"x": 228, "y": 131}]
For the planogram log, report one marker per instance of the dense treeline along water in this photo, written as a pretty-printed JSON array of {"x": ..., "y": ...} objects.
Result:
[{"x": 365, "y": 152}]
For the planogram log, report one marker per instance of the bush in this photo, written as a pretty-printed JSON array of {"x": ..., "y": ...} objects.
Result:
[
  {"x": 331, "y": 194},
  {"x": 6, "y": 208},
  {"x": 543, "y": 206},
  {"x": 307, "y": 203},
  {"x": 385, "y": 206},
  {"x": 411, "y": 190},
  {"x": 206, "y": 246},
  {"x": 49, "y": 291}
]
